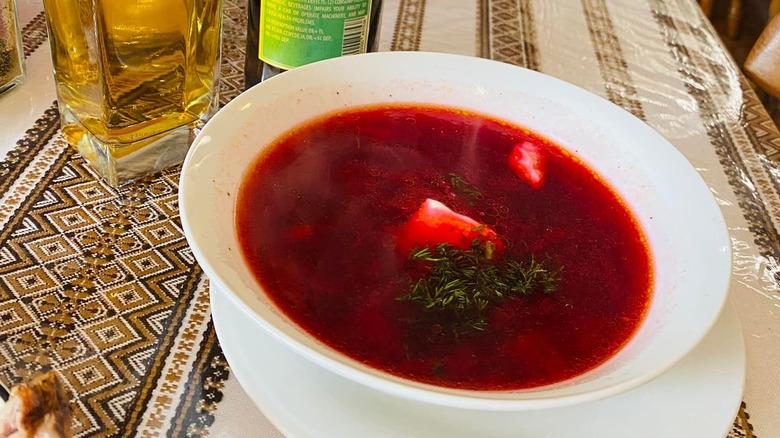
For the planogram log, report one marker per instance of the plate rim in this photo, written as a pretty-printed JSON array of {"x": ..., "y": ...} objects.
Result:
[{"x": 223, "y": 307}]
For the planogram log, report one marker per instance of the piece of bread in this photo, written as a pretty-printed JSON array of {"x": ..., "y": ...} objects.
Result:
[{"x": 36, "y": 409}]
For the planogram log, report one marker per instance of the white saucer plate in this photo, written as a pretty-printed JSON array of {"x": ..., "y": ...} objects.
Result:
[{"x": 697, "y": 398}]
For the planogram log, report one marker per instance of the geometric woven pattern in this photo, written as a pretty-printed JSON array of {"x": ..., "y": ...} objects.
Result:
[
  {"x": 87, "y": 269},
  {"x": 510, "y": 32},
  {"x": 34, "y": 34},
  {"x": 614, "y": 69},
  {"x": 742, "y": 427},
  {"x": 95, "y": 282},
  {"x": 408, "y": 25}
]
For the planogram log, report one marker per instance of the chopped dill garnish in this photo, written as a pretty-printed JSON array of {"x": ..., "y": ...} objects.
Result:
[
  {"x": 463, "y": 187},
  {"x": 465, "y": 284}
]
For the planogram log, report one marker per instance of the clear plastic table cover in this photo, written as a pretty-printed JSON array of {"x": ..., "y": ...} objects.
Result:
[
  {"x": 662, "y": 61},
  {"x": 659, "y": 59}
]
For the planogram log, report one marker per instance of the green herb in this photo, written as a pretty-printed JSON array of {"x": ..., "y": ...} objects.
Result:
[
  {"x": 461, "y": 185},
  {"x": 465, "y": 284}
]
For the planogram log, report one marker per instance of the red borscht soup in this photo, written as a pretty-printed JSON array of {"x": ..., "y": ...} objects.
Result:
[{"x": 444, "y": 246}]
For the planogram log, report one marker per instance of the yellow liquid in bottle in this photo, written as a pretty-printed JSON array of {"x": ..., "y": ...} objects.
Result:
[{"x": 128, "y": 72}]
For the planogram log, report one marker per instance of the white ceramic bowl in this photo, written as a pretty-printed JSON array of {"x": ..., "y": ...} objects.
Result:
[{"x": 685, "y": 228}]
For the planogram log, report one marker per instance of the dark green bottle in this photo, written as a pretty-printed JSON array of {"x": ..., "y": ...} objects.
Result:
[{"x": 297, "y": 32}]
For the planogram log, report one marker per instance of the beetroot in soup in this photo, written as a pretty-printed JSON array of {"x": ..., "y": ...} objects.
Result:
[{"x": 444, "y": 246}]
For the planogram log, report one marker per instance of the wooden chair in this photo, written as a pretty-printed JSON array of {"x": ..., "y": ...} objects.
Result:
[
  {"x": 734, "y": 14},
  {"x": 762, "y": 65}
]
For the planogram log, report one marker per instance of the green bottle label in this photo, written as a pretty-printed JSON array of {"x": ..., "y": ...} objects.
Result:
[{"x": 298, "y": 32}]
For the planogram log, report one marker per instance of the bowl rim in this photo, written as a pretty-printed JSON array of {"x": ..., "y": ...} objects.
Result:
[{"x": 419, "y": 391}]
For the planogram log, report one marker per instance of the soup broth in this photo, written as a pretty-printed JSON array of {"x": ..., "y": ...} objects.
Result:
[{"x": 321, "y": 216}]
